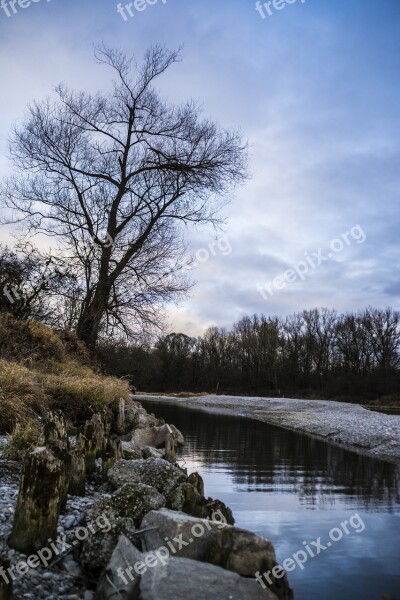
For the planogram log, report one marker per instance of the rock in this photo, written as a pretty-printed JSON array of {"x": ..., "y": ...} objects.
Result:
[
  {"x": 187, "y": 499},
  {"x": 38, "y": 505},
  {"x": 155, "y": 472},
  {"x": 215, "y": 542},
  {"x": 133, "y": 500},
  {"x": 150, "y": 452},
  {"x": 145, "y": 437},
  {"x": 150, "y": 576},
  {"x": 98, "y": 548},
  {"x": 5, "y": 582},
  {"x": 213, "y": 506},
  {"x": 69, "y": 522},
  {"x": 182, "y": 578},
  {"x": 136, "y": 417},
  {"x": 162, "y": 435},
  {"x": 179, "y": 439},
  {"x": 157, "y": 436},
  {"x": 131, "y": 451},
  {"x": 111, "y": 584},
  {"x": 71, "y": 566},
  {"x": 197, "y": 481},
  {"x": 124, "y": 511}
]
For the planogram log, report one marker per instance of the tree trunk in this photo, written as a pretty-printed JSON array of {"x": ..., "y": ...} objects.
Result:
[{"x": 90, "y": 319}]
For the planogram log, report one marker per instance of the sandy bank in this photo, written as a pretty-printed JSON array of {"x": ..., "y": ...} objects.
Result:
[{"x": 347, "y": 425}]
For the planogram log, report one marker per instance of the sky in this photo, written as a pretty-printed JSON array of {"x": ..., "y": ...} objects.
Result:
[{"x": 314, "y": 88}]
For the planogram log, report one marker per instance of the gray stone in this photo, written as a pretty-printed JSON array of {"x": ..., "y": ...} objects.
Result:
[
  {"x": 150, "y": 452},
  {"x": 155, "y": 472},
  {"x": 183, "y": 579},
  {"x": 179, "y": 439},
  {"x": 131, "y": 451},
  {"x": 215, "y": 542},
  {"x": 98, "y": 548},
  {"x": 133, "y": 500},
  {"x": 111, "y": 585},
  {"x": 132, "y": 575},
  {"x": 136, "y": 417}
]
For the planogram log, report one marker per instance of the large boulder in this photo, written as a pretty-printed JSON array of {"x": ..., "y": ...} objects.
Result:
[
  {"x": 111, "y": 584},
  {"x": 182, "y": 579},
  {"x": 157, "y": 436},
  {"x": 99, "y": 546},
  {"x": 136, "y": 417},
  {"x": 132, "y": 500},
  {"x": 155, "y": 472},
  {"x": 215, "y": 542},
  {"x": 156, "y": 576},
  {"x": 179, "y": 439},
  {"x": 187, "y": 498},
  {"x": 123, "y": 511},
  {"x": 145, "y": 436}
]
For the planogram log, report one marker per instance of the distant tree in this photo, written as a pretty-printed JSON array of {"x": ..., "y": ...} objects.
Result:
[{"x": 113, "y": 176}]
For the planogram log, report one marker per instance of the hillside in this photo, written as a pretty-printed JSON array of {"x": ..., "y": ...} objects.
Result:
[{"x": 42, "y": 369}]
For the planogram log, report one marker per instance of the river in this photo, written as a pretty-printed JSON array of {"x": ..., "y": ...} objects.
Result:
[{"x": 292, "y": 489}]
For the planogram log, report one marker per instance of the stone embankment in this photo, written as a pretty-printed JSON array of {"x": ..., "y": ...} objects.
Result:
[{"x": 109, "y": 513}]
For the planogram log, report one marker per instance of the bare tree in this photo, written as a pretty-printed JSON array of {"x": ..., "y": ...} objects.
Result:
[
  {"x": 115, "y": 175},
  {"x": 30, "y": 281}
]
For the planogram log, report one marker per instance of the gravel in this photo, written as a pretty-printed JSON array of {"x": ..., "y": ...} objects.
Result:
[
  {"x": 61, "y": 581},
  {"x": 348, "y": 425}
]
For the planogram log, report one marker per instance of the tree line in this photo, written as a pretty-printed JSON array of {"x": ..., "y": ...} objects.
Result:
[{"x": 311, "y": 353}]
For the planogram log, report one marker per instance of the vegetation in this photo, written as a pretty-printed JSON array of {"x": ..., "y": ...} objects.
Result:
[
  {"x": 23, "y": 439},
  {"x": 316, "y": 353},
  {"x": 114, "y": 177},
  {"x": 42, "y": 369}
]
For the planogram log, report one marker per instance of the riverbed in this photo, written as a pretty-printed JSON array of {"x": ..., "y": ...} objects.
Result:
[{"x": 292, "y": 488}]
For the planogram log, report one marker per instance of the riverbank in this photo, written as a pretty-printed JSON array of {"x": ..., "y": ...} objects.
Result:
[{"x": 347, "y": 425}]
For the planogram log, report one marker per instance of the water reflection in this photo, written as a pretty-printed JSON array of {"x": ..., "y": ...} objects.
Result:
[{"x": 290, "y": 488}]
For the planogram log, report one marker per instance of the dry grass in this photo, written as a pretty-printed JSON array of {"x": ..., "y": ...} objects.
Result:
[
  {"x": 22, "y": 397},
  {"x": 41, "y": 370},
  {"x": 22, "y": 440}
]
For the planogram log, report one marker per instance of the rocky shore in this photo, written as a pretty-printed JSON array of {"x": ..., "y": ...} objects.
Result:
[
  {"x": 139, "y": 526},
  {"x": 347, "y": 425}
]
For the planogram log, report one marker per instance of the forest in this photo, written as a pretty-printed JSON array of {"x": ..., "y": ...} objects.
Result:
[{"x": 314, "y": 353}]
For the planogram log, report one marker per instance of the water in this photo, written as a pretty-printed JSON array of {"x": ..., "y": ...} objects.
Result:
[{"x": 293, "y": 489}]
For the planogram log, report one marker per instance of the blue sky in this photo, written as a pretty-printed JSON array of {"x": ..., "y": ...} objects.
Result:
[{"x": 315, "y": 90}]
